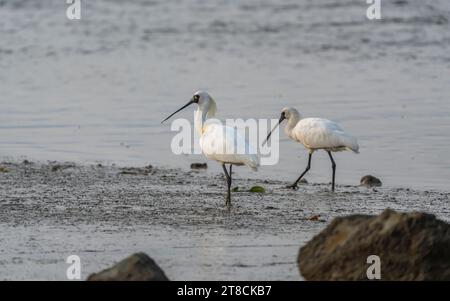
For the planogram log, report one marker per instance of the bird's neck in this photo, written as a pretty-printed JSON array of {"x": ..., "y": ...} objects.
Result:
[
  {"x": 291, "y": 123},
  {"x": 201, "y": 115},
  {"x": 204, "y": 111}
]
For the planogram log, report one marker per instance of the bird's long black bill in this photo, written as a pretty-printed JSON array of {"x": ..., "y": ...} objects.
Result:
[
  {"x": 274, "y": 128},
  {"x": 186, "y": 105}
]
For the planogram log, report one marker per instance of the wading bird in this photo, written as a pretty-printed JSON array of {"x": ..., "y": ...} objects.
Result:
[
  {"x": 315, "y": 134},
  {"x": 218, "y": 142}
]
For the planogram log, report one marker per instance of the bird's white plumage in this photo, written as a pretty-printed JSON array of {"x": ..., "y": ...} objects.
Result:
[
  {"x": 225, "y": 145},
  {"x": 218, "y": 142},
  {"x": 318, "y": 133}
]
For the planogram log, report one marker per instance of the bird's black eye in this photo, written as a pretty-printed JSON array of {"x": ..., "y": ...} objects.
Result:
[{"x": 196, "y": 97}]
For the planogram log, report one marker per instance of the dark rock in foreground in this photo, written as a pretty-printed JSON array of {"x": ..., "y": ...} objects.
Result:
[
  {"x": 411, "y": 246},
  {"x": 137, "y": 267},
  {"x": 370, "y": 181}
]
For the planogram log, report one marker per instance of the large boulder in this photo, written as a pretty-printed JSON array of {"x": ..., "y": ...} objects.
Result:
[
  {"x": 411, "y": 246},
  {"x": 137, "y": 267}
]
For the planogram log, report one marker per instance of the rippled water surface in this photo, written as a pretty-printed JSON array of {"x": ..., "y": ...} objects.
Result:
[{"x": 96, "y": 89}]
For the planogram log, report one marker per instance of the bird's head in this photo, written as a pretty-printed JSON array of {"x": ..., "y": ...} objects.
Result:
[
  {"x": 201, "y": 97},
  {"x": 287, "y": 113},
  {"x": 203, "y": 100}
]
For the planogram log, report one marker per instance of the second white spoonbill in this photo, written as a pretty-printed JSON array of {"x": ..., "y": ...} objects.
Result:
[
  {"x": 218, "y": 142},
  {"x": 316, "y": 134}
]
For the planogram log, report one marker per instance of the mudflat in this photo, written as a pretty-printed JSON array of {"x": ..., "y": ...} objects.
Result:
[{"x": 49, "y": 211}]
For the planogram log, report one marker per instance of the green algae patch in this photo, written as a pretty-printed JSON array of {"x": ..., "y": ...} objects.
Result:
[{"x": 257, "y": 189}]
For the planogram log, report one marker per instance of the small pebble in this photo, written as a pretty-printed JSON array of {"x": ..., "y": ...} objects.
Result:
[
  {"x": 370, "y": 181},
  {"x": 314, "y": 218},
  {"x": 199, "y": 166}
]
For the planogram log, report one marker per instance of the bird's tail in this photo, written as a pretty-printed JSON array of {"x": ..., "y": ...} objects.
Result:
[
  {"x": 354, "y": 147},
  {"x": 351, "y": 143},
  {"x": 252, "y": 161},
  {"x": 356, "y": 151}
]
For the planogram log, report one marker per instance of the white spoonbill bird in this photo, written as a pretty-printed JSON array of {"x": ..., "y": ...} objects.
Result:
[
  {"x": 315, "y": 134},
  {"x": 218, "y": 142}
]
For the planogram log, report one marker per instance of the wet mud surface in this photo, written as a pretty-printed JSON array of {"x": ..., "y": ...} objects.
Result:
[{"x": 105, "y": 213}]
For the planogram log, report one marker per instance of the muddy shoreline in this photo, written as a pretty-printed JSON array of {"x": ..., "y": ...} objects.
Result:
[{"x": 49, "y": 211}]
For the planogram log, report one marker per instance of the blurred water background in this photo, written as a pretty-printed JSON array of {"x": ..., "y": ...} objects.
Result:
[{"x": 95, "y": 90}]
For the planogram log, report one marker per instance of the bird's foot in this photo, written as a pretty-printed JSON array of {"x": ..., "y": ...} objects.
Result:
[
  {"x": 228, "y": 202},
  {"x": 292, "y": 186}
]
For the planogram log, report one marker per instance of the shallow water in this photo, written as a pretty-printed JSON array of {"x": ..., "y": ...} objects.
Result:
[{"x": 96, "y": 89}]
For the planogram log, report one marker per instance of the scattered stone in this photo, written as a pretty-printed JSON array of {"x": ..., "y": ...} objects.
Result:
[
  {"x": 370, "y": 181},
  {"x": 137, "y": 267},
  {"x": 58, "y": 167},
  {"x": 303, "y": 181},
  {"x": 136, "y": 171},
  {"x": 257, "y": 189},
  {"x": 411, "y": 246},
  {"x": 235, "y": 189},
  {"x": 3, "y": 169},
  {"x": 26, "y": 162},
  {"x": 314, "y": 218},
  {"x": 199, "y": 166}
]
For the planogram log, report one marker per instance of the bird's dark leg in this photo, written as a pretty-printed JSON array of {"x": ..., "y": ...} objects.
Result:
[
  {"x": 333, "y": 165},
  {"x": 229, "y": 188},
  {"x": 228, "y": 176},
  {"x": 294, "y": 186}
]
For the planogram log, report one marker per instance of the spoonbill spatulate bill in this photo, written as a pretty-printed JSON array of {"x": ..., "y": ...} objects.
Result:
[
  {"x": 219, "y": 142},
  {"x": 315, "y": 134}
]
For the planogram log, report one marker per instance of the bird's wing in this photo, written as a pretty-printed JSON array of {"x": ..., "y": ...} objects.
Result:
[
  {"x": 225, "y": 144},
  {"x": 318, "y": 133}
]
